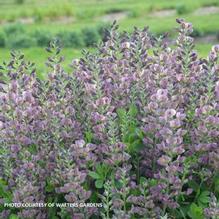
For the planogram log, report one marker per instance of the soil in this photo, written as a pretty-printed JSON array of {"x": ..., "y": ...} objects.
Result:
[
  {"x": 206, "y": 10},
  {"x": 211, "y": 39},
  {"x": 60, "y": 20},
  {"x": 163, "y": 13},
  {"x": 28, "y": 20},
  {"x": 114, "y": 16}
]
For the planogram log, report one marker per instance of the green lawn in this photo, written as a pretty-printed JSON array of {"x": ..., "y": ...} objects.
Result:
[{"x": 39, "y": 57}]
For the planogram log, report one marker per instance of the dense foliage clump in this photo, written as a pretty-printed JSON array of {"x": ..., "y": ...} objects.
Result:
[
  {"x": 16, "y": 36},
  {"x": 135, "y": 127}
]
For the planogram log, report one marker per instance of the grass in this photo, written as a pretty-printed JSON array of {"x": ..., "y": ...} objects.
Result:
[
  {"x": 160, "y": 25},
  {"x": 203, "y": 49},
  {"x": 92, "y": 7},
  {"x": 87, "y": 13},
  {"x": 39, "y": 57}
]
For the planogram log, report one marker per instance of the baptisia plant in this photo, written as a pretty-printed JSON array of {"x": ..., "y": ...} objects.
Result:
[{"x": 134, "y": 126}]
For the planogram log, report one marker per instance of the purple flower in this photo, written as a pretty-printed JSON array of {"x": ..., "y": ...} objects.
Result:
[
  {"x": 15, "y": 148},
  {"x": 80, "y": 143},
  {"x": 25, "y": 140},
  {"x": 71, "y": 197},
  {"x": 170, "y": 113},
  {"x": 161, "y": 94},
  {"x": 189, "y": 191},
  {"x": 164, "y": 160},
  {"x": 217, "y": 90}
]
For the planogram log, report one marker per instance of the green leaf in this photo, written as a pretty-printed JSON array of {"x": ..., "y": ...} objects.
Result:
[
  {"x": 94, "y": 197},
  {"x": 204, "y": 197},
  {"x": 94, "y": 175},
  {"x": 49, "y": 187},
  {"x": 3, "y": 192},
  {"x": 139, "y": 133},
  {"x": 183, "y": 210},
  {"x": 88, "y": 136},
  {"x": 13, "y": 216},
  {"x": 153, "y": 182},
  {"x": 143, "y": 180},
  {"x": 195, "y": 212},
  {"x": 131, "y": 137},
  {"x": 216, "y": 184},
  {"x": 3, "y": 182},
  {"x": 32, "y": 149},
  {"x": 164, "y": 217},
  {"x": 121, "y": 113},
  {"x": 99, "y": 168},
  {"x": 125, "y": 138},
  {"x": 99, "y": 184},
  {"x": 135, "y": 146},
  {"x": 193, "y": 185},
  {"x": 52, "y": 213},
  {"x": 133, "y": 110}
]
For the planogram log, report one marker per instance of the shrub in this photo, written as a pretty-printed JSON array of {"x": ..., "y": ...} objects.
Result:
[
  {"x": 114, "y": 10},
  {"x": 71, "y": 39},
  {"x": 42, "y": 38},
  {"x": 181, "y": 9},
  {"x": 15, "y": 28},
  {"x": 90, "y": 36},
  {"x": 75, "y": 40},
  {"x": 17, "y": 37},
  {"x": 21, "y": 41},
  {"x": 197, "y": 33},
  {"x": 134, "y": 129},
  {"x": 20, "y": 2},
  {"x": 209, "y": 4},
  {"x": 217, "y": 35},
  {"x": 63, "y": 38},
  {"x": 2, "y": 39}
]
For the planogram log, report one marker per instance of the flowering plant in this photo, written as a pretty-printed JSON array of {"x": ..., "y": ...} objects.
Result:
[{"x": 135, "y": 126}]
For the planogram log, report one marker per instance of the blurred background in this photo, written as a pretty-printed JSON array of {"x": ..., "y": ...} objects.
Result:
[{"x": 28, "y": 25}]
